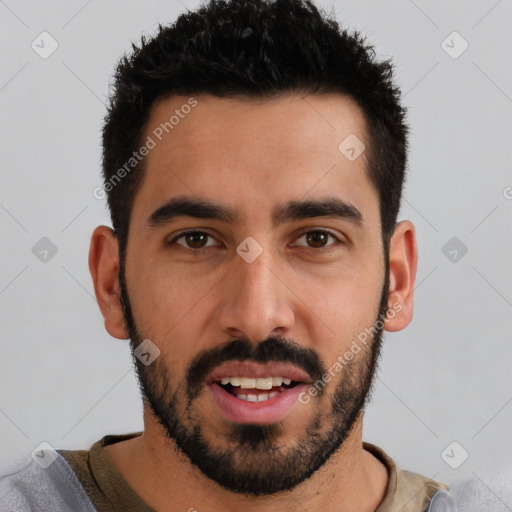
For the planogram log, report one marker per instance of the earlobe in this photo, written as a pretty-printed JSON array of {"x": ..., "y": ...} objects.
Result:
[
  {"x": 403, "y": 261},
  {"x": 104, "y": 268}
]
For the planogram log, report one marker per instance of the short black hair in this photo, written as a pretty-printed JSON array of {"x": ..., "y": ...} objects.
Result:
[{"x": 254, "y": 50}]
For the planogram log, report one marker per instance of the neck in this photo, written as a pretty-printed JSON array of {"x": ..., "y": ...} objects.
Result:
[{"x": 351, "y": 480}]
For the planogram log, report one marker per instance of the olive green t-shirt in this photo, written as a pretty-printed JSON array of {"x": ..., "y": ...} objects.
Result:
[{"x": 109, "y": 492}]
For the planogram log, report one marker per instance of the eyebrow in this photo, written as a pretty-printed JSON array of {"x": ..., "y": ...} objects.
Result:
[{"x": 182, "y": 206}]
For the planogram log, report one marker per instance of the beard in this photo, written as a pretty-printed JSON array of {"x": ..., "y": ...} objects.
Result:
[{"x": 254, "y": 459}]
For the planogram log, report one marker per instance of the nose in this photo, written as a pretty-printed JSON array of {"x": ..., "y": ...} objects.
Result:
[{"x": 256, "y": 301}]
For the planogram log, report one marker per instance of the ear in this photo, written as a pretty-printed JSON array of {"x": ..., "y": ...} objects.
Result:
[
  {"x": 104, "y": 268},
  {"x": 403, "y": 261}
]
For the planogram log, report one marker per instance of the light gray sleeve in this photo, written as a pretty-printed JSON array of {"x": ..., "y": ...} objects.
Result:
[
  {"x": 442, "y": 501},
  {"x": 484, "y": 492},
  {"x": 32, "y": 488}
]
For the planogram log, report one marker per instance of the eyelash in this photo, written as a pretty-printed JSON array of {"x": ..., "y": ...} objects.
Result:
[{"x": 203, "y": 249}]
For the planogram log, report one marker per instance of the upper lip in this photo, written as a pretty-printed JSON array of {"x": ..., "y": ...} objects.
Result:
[{"x": 257, "y": 370}]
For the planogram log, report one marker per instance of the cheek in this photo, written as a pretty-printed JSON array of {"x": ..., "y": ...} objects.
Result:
[
  {"x": 169, "y": 292},
  {"x": 346, "y": 307},
  {"x": 169, "y": 308},
  {"x": 349, "y": 296}
]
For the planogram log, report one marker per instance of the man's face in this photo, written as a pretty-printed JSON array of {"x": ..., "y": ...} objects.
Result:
[{"x": 260, "y": 295}]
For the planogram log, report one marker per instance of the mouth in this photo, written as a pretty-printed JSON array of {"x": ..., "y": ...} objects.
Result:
[
  {"x": 256, "y": 389},
  {"x": 260, "y": 394}
]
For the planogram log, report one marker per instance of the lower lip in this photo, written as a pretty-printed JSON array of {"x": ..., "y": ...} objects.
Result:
[{"x": 241, "y": 411}]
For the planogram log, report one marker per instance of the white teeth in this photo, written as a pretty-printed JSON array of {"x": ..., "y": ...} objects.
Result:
[
  {"x": 277, "y": 381},
  {"x": 264, "y": 383},
  {"x": 257, "y": 398},
  {"x": 247, "y": 383}
]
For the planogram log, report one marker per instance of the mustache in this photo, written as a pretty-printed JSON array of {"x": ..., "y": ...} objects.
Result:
[{"x": 275, "y": 349}]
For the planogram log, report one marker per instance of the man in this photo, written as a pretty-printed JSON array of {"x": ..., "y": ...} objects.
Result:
[{"x": 253, "y": 159}]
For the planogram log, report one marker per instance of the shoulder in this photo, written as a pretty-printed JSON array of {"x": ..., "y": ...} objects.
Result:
[
  {"x": 411, "y": 492},
  {"x": 30, "y": 486},
  {"x": 408, "y": 482},
  {"x": 418, "y": 492}
]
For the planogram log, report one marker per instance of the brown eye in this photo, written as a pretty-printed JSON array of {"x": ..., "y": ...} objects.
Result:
[
  {"x": 318, "y": 238},
  {"x": 194, "y": 240}
]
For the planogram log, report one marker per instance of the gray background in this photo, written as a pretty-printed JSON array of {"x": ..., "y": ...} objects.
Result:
[{"x": 446, "y": 378}]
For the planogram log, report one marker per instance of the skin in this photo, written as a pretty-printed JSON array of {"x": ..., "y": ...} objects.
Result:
[{"x": 251, "y": 157}]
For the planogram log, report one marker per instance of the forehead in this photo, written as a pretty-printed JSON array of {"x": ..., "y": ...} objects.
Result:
[{"x": 243, "y": 153}]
